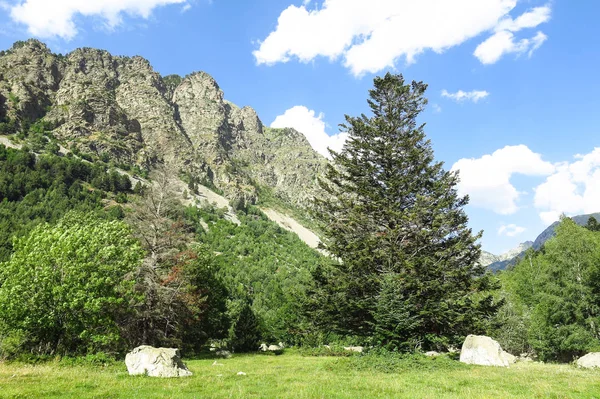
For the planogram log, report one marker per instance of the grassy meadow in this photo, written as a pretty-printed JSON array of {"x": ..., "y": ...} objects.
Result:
[{"x": 295, "y": 376}]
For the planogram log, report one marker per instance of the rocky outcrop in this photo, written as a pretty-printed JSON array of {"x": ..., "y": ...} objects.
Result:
[
  {"x": 156, "y": 362},
  {"x": 589, "y": 361},
  {"x": 85, "y": 113},
  {"x": 29, "y": 78},
  {"x": 484, "y": 351},
  {"x": 119, "y": 109},
  {"x": 144, "y": 97},
  {"x": 242, "y": 155}
]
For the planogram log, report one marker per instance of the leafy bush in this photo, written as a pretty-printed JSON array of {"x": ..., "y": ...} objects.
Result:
[{"x": 67, "y": 286}]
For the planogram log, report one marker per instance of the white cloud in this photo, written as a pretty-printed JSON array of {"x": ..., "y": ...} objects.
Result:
[
  {"x": 45, "y": 18},
  {"x": 186, "y": 7},
  {"x": 436, "y": 108},
  {"x": 313, "y": 127},
  {"x": 511, "y": 230},
  {"x": 574, "y": 188},
  {"x": 371, "y": 35},
  {"x": 503, "y": 42},
  {"x": 487, "y": 179},
  {"x": 460, "y": 95},
  {"x": 530, "y": 19}
]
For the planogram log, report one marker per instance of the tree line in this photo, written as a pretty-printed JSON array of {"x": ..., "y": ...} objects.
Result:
[{"x": 87, "y": 264}]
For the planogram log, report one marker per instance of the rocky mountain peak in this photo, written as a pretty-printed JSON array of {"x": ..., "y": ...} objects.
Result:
[
  {"x": 118, "y": 108},
  {"x": 201, "y": 85}
]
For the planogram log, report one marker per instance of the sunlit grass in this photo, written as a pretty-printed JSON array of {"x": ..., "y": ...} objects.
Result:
[{"x": 294, "y": 376}]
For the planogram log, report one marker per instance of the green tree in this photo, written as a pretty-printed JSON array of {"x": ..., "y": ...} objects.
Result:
[
  {"x": 592, "y": 224},
  {"x": 408, "y": 272},
  {"x": 65, "y": 287},
  {"x": 559, "y": 290}
]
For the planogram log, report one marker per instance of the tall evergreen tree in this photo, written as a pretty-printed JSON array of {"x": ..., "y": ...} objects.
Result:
[
  {"x": 592, "y": 224},
  {"x": 407, "y": 274}
]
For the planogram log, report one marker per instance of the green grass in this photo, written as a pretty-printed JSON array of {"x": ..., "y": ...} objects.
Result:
[{"x": 295, "y": 376}]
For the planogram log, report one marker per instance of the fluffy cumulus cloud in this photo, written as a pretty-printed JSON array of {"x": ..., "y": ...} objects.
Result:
[
  {"x": 574, "y": 188},
  {"x": 371, "y": 35},
  {"x": 313, "y": 127},
  {"x": 45, "y": 18},
  {"x": 487, "y": 179},
  {"x": 460, "y": 95},
  {"x": 503, "y": 41},
  {"x": 510, "y": 230}
]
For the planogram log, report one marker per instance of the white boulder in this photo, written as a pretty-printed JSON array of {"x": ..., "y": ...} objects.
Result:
[
  {"x": 484, "y": 351},
  {"x": 589, "y": 361},
  {"x": 276, "y": 349},
  {"x": 357, "y": 349},
  {"x": 156, "y": 362}
]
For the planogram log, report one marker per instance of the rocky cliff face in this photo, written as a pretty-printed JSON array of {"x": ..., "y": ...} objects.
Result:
[{"x": 120, "y": 109}]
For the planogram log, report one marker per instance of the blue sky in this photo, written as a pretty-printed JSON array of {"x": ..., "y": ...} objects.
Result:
[{"x": 513, "y": 85}]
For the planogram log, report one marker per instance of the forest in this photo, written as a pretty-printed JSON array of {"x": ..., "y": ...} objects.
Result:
[{"x": 91, "y": 263}]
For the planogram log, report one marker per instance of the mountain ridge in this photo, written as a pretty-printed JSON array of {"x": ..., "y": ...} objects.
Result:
[
  {"x": 119, "y": 109},
  {"x": 501, "y": 262}
]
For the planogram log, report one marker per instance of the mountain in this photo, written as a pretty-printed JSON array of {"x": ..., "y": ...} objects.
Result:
[
  {"x": 550, "y": 230},
  {"x": 118, "y": 109},
  {"x": 501, "y": 262}
]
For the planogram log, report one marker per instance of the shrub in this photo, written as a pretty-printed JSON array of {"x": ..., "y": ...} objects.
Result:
[{"x": 66, "y": 286}]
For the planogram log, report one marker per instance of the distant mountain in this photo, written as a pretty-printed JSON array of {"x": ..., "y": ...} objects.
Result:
[
  {"x": 501, "y": 262},
  {"x": 550, "y": 231}
]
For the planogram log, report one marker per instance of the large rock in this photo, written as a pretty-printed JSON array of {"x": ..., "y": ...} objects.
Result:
[
  {"x": 589, "y": 361},
  {"x": 484, "y": 351},
  {"x": 156, "y": 362}
]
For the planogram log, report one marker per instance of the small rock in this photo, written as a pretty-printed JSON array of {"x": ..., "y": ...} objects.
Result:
[
  {"x": 241, "y": 373},
  {"x": 217, "y": 364},
  {"x": 432, "y": 353},
  {"x": 263, "y": 347},
  {"x": 357, "y": 349}
]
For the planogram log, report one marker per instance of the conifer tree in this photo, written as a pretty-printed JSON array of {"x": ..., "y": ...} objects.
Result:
[
  {"x": 592, "y": 224},
  {"x": 408, "y": 273}
]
